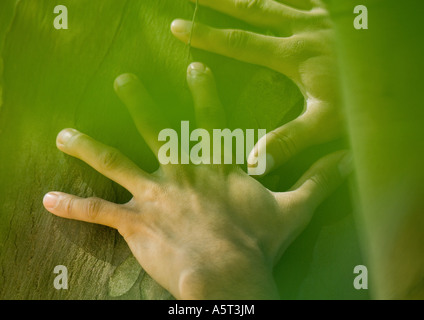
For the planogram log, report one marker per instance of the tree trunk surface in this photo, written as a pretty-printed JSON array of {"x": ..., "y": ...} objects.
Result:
[{"x": 52, "y": 79}]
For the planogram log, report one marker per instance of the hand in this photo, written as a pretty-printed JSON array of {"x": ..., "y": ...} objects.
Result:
[
  {"x": 202, "y": 232},
  {"x": 301, "y": 48}
]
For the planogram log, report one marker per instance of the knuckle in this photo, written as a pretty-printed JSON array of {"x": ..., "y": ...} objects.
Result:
[
  {"x": 93, "y": 207},
  {"x": 319, "y": 18},
  {"x": 68, "y": 206},
  {"x": 285, "y": 144},
  {"x": 109, "y": 159},
  {"x": 326, "y": 181},
  {"x": 298, "y": 45},
  {"x": 293, "y": 49},
  {"x": 152, "y": 194},
  {"x": 236, "y": 39},
  {"x": 208, "y": 112},
  {"x": 249, "y": 4},
  {"x": 321, "y": 181}
]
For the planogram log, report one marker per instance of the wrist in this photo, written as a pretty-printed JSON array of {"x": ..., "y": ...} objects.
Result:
[{"x": 244, "y": 281}]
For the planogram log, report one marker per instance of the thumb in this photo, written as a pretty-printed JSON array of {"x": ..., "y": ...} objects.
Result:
[
  {"x": 318, "y": 124},
  {"x": 317, "y": 184},
  {"x": 311, "y": 189}
]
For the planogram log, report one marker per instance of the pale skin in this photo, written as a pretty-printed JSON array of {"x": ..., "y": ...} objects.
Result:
[
  {"x": 212, "y": 231},
  {"x": 301, "y": 48},
  {"x": 202, "y": 232}
]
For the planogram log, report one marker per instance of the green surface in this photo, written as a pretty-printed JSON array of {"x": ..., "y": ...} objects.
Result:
[{"x": 54, "y": 79}]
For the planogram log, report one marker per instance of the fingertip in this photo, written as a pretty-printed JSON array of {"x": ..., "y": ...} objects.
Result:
[
  {"x": 201, "y": 81},
  {"x": 198, "y": 70},
  {"x": 64, "y": 136},
  {"x": 124, "y": 80},
  {"x": 253, "y": 168},
  {"x": 259, "y": 153},
  {"x": 51, "y": 200},
  {"x": 181, "y": 29}
]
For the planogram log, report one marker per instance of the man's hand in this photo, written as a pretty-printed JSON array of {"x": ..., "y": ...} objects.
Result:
[
  {"x": 202, "y": 232},
  {"x": 301, "y": 48}
]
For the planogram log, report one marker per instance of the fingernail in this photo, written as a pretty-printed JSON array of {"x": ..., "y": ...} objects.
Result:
[
  {"x": 252, "y": 158},
  {"x": 50, "y": 200},
  {"x": 65, "y": 135},
  {"x": 346, "y": 165},
  {"x": 181, "y": 26},
  {"x": 252, "y": 164},
  {"x": 196, "y": 68},
  {"x": 123, "y": 80}
]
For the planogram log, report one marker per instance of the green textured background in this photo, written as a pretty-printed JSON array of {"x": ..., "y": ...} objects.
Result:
[{"x": 52, "y": 79}]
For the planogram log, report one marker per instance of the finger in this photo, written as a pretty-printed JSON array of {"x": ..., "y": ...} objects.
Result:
[
  {"x": 210, "y": 114},
  {"x": 262, "y": 13},
  {"x": 280, "y": 145},
  {"x": 280, "y": 54},
  {"x": 144, "y": 112},
  {"x": 91, "y": 210},
  {"x": 300, "y": 4},
  {"x": 320, "y": 181},
  {"x": 318, "y": 124},
  {"x": 208, "y": 108},
  {"x": 106, "y": 160}
]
